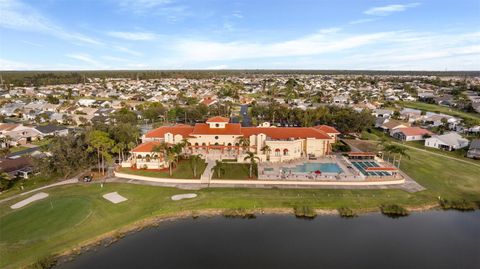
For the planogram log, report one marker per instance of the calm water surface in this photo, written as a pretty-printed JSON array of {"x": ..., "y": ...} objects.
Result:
[{"x": 424, "y": 240}]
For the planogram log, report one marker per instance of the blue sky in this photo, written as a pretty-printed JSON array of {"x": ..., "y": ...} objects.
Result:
[{"x": 261, "y": 34}]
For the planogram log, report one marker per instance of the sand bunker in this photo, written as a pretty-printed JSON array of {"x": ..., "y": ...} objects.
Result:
[
  {"x": 183, "y": 196},
  {"x": 114, "y": 197},
  {"x": 31, "y": 199}
]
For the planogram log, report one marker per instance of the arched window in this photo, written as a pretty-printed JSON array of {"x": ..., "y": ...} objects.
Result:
[
  {"x": 285, "y": 152},
  {"x": 196, "y": 144},
  {"x": 203, "y": 144},
  {"x": 216, "y": 144},
  {"x": 229, "y": 144},
  {"x": 277, "y": 152}
]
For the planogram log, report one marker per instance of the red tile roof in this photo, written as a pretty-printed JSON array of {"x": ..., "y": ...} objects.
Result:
[
  {"x": 327, "y": 129},
  {"x": 285, "y": 132},
  {"x": 218, "y": 119},
  {"x": 236, "y": 129},
  {"x": 146, "y": 147},
  {"x": 181, "y": 129},
  {"x": 8, "y": 126},
  {"x": 230, "y": 129},
  {"x": 414, "y": 131}
]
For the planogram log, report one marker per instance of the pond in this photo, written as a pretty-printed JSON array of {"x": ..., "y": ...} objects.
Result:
[{"x": 433, "y": 239}]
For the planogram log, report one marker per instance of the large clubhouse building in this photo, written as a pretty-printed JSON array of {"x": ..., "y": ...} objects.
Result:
[{"x": 219, "y": 139}]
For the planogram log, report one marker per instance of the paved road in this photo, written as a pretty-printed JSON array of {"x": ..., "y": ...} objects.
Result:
[{"x": 247, "y": 121}]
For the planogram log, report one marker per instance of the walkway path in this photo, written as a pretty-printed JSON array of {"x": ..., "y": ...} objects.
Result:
[
  {"x": 65, "y": 182},
  {"x": 207, "y": 174}
]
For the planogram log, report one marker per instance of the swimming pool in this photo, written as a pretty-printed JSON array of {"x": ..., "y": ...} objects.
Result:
[{"x": 312, "y": 167}]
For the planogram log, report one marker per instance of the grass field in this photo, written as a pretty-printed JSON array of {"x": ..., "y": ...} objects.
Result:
[
  {"x": 17, "y": 149},
  {"x": 75, "y": 214},
  {"x": 236, "y": 171},
  {"x": 442, "y": 109},
  {"x": 182, "y": 170}
]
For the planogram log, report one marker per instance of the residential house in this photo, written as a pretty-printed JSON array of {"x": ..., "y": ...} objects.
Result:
[
  {"x": 52, "y": 130},
  {"x": 390, "y": 125},
  {"x": 411, "y": 134},
  {"x": 450, "y": 141},
  {"x": 382, "y": 113},
  {"x": 474, "y": 149},
  {"x": 16, "y": 166}
]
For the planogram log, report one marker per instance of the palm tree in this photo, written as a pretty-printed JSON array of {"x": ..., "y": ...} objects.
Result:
[
  {"x": 219, "y": 168},
  {"x": 402, "y": 152},
  {"x": 157, "y": 149},
  {"x": 389, "y": 149},
  {"x": 266, "y": 150},
  {"x": 194, "y": 162},
  {"x": 253, "y": 160},
  {"x": 382, "y": 144},
  {"x": 244, "y": 142},
  {"x": 170, "y": 158}
]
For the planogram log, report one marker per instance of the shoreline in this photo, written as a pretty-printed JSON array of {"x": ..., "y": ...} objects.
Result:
[{"x": 109, "y": 238}]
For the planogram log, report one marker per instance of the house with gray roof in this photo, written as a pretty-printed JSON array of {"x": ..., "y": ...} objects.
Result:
[
  {"x": 450, "y": 141},
  {"x": 474, "y": 149}
]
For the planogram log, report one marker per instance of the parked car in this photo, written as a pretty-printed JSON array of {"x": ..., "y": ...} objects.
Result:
[{"x": 87, "y": 178}]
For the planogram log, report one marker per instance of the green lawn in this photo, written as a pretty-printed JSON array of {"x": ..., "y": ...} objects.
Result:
[
  {"x": 236, "y": 171},
  {"x": 182, "y": 170},
  {"x": 31, "y": 183},
  {"x": 42, "y": 142},
  {"x": 76, "y": 214},
  {"x": 442, "y": 109},
  {"x": 17, "y": 149}
]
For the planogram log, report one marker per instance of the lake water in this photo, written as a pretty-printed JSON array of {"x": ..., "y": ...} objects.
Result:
[{"x": 423, "y": 240}]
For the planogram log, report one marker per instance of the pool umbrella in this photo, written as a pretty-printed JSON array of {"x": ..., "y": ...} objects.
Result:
[{"x": 318, "y": 172}]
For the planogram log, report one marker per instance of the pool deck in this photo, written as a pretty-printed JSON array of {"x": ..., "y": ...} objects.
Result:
[{"x": 347, "y": 174}]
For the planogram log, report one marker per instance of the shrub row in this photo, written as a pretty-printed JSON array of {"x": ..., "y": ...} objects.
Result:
[{"x": 305, "y": 212}]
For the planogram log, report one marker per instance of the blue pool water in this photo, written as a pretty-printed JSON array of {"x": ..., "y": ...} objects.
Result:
[{"x": 312, "y": 167}]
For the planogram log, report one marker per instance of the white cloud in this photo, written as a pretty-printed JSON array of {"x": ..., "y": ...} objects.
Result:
[
  {"x": 14, "y": 65},
  {"x": 218, "y": 67},
  {"x": 360, "y": 21},
  {"x": 85, "y": 58},
  {"x": 19, "y": 16},
  {"x": 141, "y": 6},
  {"x": 387, "y": 10},
  {"x": 128, "y": 51},
  {"x": 32, "y": 44},
  {"x": 134, "y": 36},
  {"x": 115, "y": 59},
  {"x": 324, "y": 41},
  {"x": 167, "y": 9}
]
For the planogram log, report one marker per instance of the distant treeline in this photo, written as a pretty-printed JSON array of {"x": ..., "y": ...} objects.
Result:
[{"x": 40, "y": 78}]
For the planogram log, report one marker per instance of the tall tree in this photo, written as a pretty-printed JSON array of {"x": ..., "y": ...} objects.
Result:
[
  {"x": 219, "y": 168},
  {"x": 195, "y": 161},
  {"x": 253, "y": 160},
  {"x": 100, "y": 142}
]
